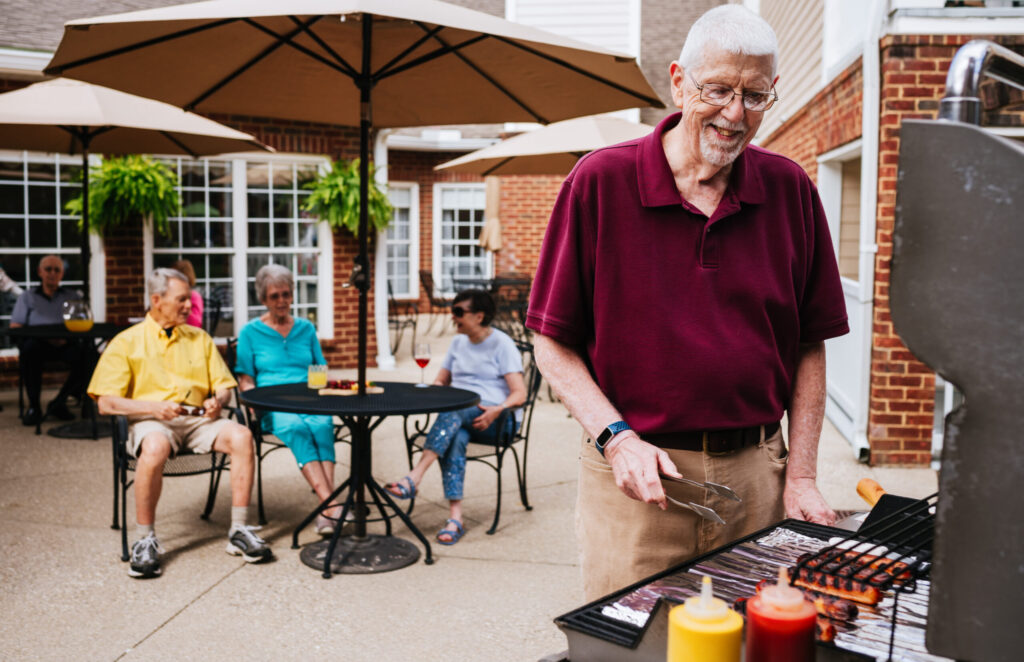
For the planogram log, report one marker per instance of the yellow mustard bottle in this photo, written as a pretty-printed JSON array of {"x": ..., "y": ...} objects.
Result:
[{"x": 704, "y": 629}]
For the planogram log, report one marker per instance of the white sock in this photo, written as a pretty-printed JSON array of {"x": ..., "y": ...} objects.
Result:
[
  {"x": 239, "y": 516},
  {"x": 143, "y": 530}
]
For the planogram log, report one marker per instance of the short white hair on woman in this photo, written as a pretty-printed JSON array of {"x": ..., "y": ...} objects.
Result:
[
  {"x": 157, "y": 281},
  {"x": 733, "y": 29},
  {"x": 272, "y": 274}
]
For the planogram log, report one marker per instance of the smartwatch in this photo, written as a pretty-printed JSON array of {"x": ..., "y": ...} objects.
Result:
[{"x": 607, "y": 434}]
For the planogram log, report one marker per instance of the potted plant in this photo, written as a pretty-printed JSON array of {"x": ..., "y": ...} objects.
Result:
[
  {"x": 125, "y": 188},
  {"x": 335, "y": 198}
]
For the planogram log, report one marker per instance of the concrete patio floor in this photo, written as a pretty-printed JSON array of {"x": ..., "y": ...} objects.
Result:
[{"x": 65, "y": 594}]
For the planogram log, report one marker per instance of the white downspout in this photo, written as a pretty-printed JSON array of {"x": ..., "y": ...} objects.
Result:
[
  {"x": 870, "y": 74},
  {"x": 385, "y": 361}
]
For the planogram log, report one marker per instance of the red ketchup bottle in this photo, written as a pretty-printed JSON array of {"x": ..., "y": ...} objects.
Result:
[{"x": 780, "y": 624}]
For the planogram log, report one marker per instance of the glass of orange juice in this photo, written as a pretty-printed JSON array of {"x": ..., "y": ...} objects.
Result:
[
  {"x": 317, "y": 377},
  {"x": 77, "y": 315}
]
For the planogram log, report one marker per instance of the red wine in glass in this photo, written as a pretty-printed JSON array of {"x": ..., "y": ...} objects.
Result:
[{"x": 421, "y": 356}]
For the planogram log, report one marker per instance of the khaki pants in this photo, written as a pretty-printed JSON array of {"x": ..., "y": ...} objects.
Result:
[{"x": 623, "y": 541}]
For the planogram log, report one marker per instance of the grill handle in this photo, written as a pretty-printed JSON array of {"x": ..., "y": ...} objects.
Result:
[{"x": 975, "y": 59}]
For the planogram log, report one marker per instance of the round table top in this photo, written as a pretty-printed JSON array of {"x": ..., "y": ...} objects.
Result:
[
  {"x": 398, "y": 399},
  {"x": 103, "y": 330}
]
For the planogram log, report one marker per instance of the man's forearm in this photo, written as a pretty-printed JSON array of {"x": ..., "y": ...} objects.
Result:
[
  {"x": 806, "y": 413},
  {"x": 112, "y": 405},
  {"x": 564, "y": 369}
]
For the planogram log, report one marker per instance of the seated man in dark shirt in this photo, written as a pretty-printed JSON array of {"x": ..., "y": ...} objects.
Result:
[{"x": 44, "y": 305}]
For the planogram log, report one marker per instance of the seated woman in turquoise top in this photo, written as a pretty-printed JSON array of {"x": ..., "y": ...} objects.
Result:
[{"x": 277, "y": 348}]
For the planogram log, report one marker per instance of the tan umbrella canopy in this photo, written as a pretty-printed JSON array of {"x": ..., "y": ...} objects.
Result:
[
  {"x": 383, "y": 63},
  {"x": 72, "y": 117},
  {"x": 550, "y": 150}
]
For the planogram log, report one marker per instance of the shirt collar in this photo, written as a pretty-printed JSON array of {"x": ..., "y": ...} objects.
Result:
[
  {"x": 155, "y": 329},
  {"x": 658, "y": 186}
]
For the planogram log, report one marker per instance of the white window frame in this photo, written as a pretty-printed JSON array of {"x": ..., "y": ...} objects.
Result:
[
  {"x": 438, "y": 190},
  {"x": 414, "y": 238},
  {"x": 240, "y": 242},
  {"x": 830, "y": 188}
]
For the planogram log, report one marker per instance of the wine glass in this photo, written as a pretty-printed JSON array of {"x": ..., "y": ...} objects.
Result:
[
  {"x": 422, "y": 357},
  {"x": 77, "y": 315}
]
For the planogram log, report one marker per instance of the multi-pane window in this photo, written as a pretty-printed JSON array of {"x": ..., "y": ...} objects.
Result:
[
  {"x": 203, "y": 233},
  {"x": 458, "y": 220},
  {"x": 401, "y": 241},
  {"x": 279, "y": 231},
  {"x": 33, "y": 223},
  {"x": 849, "y": 220}
]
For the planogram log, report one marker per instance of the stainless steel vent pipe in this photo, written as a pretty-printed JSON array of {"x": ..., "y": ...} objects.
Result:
[{"x": 975, "y": 59}]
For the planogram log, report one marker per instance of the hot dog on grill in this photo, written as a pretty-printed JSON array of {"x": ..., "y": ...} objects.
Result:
[
  {"x": 856, "y": 563},
  {"x": 826, "y": 605},
  {"x": 847, "y": 588}
]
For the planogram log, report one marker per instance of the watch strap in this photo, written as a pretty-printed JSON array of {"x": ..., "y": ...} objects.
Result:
[{"x": 607, "y": 434}]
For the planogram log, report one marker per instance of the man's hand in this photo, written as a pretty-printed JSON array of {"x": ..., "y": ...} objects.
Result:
[
  {"x": 212, "y": 406},
  {"x": 489, "y": 415},
  {"x": 166, "y": 410},
  {"x": 636, "y": 465},
  {"x": 803, "y": 501}
]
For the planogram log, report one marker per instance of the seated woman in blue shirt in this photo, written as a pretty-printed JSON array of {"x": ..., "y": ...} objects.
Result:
[
  {"x": 277, "y": 348},
  {"x": 487, "y": 362}
]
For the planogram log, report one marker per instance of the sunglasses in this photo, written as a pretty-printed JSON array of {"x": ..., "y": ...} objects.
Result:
[
  {"x": 53, "y": 269},
  {"x": 459, "y": 312}
]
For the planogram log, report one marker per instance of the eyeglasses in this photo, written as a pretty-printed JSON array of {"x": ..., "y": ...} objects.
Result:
[
  {"x": 53, "y": 269},
  {"x": 287, "y": 294},
  {"x": 459, "y": 312},
  {"x": 722, "y": 95}
]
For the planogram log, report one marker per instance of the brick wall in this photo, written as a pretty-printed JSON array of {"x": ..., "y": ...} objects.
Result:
[
  {"x": 526, "y": 203},
  {"x": 913, "y": 69}
]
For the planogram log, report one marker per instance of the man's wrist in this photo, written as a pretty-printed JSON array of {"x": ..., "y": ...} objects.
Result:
[{"x": 614, "y": 442}]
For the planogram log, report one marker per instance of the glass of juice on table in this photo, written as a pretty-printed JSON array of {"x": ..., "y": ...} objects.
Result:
[
  {"x": 422, "y": 357},
  {"x": 77, "y": 315},
  {"x": 317, "y": 377}
]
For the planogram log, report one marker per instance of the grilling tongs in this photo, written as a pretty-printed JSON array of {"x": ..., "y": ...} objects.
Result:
[{"x": 703, "y": 511}]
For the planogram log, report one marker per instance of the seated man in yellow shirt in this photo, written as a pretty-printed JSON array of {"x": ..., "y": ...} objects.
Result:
[{"x": 150, "y": 373}]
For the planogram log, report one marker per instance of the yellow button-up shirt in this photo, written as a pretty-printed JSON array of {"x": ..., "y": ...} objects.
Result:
[{"x": 143, "y": 363}]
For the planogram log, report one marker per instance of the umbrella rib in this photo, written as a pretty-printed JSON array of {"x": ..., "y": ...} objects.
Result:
[
  {"x": 383, "y": 71},
  {"x": 60, "y": 69},
  {"x": 315, "y": 37},
  {"x": 83, "y": 134},
  {"x": 454, "y": 50},
  {"x": 497, "y": 165},
  {"x": 181, "y": 145},
  {"x": 653, "y": 101},
  {"x": 281, "y": 40},
  {"x": 429, "y": 56}
]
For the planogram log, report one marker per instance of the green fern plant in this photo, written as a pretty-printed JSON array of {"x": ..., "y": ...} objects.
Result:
[
  {"x": 335, "y": 198},
  {"x": 122, "y": 189}
]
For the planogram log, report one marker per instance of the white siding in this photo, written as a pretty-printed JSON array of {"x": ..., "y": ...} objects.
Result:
[
  {"x": 610, "y": 24},
  {"x": 799, "y": 25}
]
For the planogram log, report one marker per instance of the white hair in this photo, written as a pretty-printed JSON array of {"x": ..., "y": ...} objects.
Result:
[
  {"x": 733, "y": 29},
  {"x": 157, "y": 281},
  {"x": 272, "y": 274}
]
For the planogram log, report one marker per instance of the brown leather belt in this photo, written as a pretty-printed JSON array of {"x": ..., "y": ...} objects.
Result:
[{"x": 712, "y": 442}]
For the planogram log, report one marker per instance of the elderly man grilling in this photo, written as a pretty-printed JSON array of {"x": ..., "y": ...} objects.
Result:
[
  {"x": 158, "y": 373},
  {"x": 686, "y": 286}
]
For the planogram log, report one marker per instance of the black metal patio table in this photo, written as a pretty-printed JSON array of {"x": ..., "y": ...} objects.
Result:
[
  {"x": 98, "y": 333},
  {"x": 361, "y": 553}
]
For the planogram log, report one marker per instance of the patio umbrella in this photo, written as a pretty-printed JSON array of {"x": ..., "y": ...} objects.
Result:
[
  {"x": 72, "y": 117},
  {"x": 383, "y": 63},
  {"x": 550, "y": 150}
]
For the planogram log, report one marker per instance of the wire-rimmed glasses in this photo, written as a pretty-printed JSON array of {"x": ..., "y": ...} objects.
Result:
[{"x": 715, "y": 94}]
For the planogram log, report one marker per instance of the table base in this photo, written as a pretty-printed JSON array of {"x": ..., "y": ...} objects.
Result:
[
  {"x": 80, "y": 430},
  {"x": 362, "y": 556}
]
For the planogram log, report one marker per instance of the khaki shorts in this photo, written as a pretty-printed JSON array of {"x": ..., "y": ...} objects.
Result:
[
  {"x": 194, "y": 433},
  {"x": 623, "y": 540}
]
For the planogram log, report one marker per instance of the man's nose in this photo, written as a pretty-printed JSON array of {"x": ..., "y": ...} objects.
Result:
[{"x": 734, "y": 112}]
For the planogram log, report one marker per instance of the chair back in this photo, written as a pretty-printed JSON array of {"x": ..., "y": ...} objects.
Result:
[
  {"x": 532, "y": 379},
  {"x": 436, "y": 299},
  {"x": 211, "y": 314}
]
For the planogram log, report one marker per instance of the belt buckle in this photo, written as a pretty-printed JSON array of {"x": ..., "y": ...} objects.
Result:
[{"x": 713, "y": 448}]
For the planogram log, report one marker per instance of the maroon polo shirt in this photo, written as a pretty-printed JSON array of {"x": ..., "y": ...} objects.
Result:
[{"x": 688, "y": 322}]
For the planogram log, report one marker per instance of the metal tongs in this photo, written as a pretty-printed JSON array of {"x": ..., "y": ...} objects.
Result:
[{"x": 703, "y": 511}]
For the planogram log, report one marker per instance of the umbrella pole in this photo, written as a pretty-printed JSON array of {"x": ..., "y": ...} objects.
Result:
[
  {"x": 362, "y": 265},
  {"x": 86, "y": 255}
]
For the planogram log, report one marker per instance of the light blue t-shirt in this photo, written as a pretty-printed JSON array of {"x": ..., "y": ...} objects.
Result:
[
  {"x": 482, "y": 368},
  {"x": 272, "y": 359}
]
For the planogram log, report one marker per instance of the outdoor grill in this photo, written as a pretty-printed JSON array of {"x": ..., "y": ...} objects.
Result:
[{"x": 949, "y": 568}]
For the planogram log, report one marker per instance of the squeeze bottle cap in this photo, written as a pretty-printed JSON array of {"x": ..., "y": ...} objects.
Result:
[
  {"x": 782, "y": 595},
  {"x": 705, "y": 607}
]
